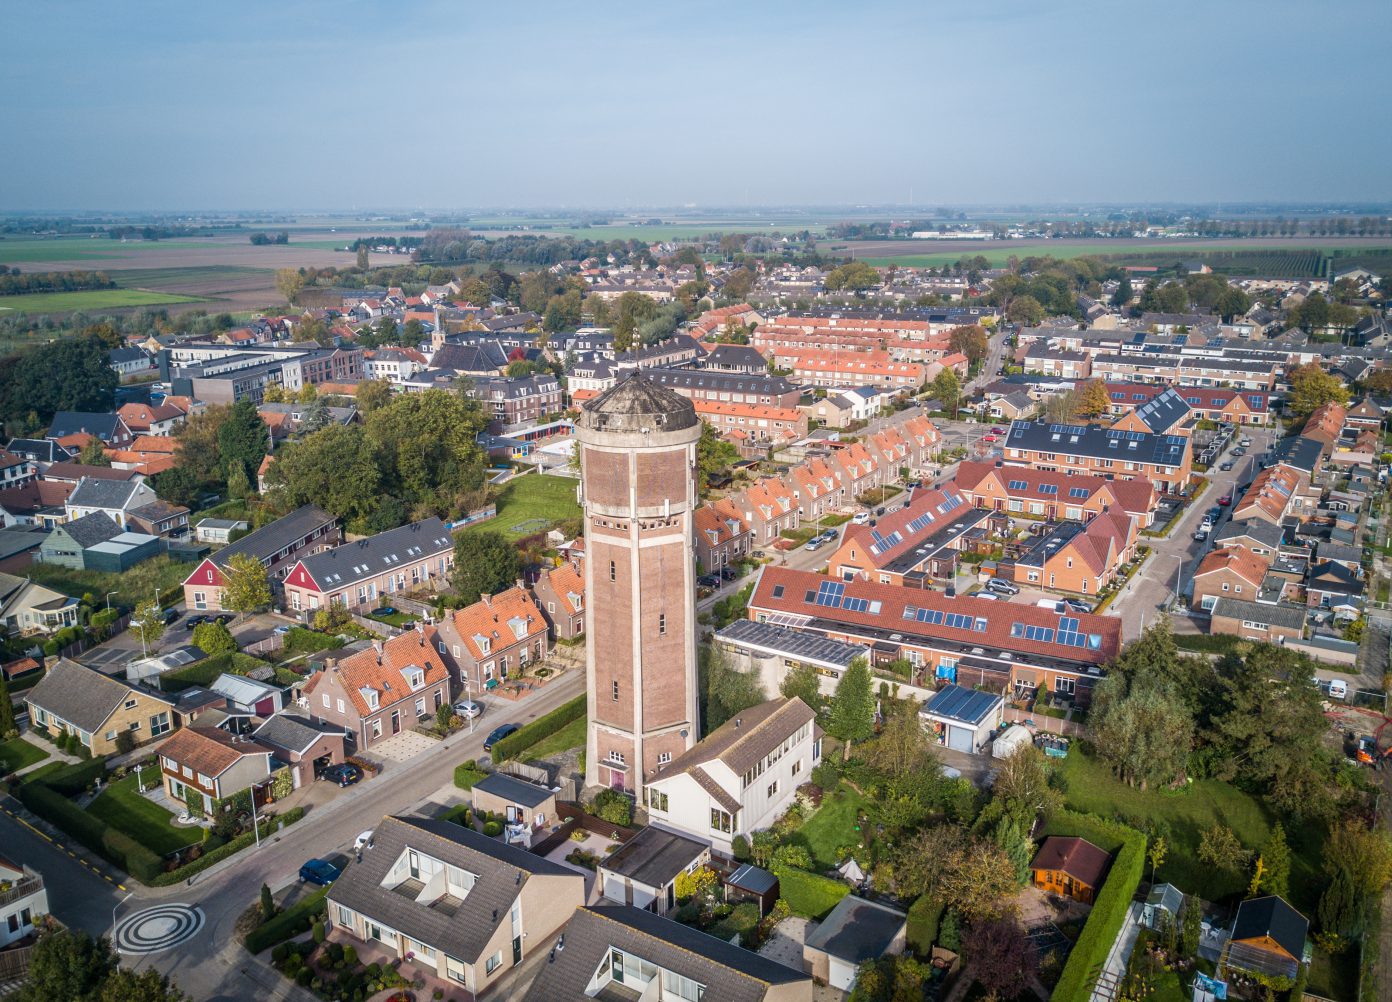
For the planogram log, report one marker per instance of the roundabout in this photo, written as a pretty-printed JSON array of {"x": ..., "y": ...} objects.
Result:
[{"x": 157, "y": 929}]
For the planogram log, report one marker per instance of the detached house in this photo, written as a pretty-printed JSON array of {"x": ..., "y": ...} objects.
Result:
[
  {"x": 463, "y": 906},
  {"x": 560, "y": 591},
  {"x": 1232, "y": 572},
  {"x": 117, "y": 499},
  {"x": 203, "y": 765},
  {"x": 378, "y": 692},
  {"x": 497, "y": 634},
  {"x": 740, "y": 777},
  {"x": 356, "y": 575},
  {"x": 109, "y": 428},
  {"x": 96, "y": 707}
]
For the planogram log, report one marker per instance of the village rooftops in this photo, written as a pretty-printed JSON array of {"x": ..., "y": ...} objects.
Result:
[
  {"x": 1097, "y": 442},
  {"x": 283, "y": 533}
]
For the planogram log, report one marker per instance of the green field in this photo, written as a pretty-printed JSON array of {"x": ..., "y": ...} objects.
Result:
[
  {"x": 122, "y": 807},
  {"x": 1090, "y": 788},
  {"x": 163, "y": 278},
  {"x": 34, "y": 250},
  {"x": 527, "y": 502},
  {"x": 95, "y": 299},
  {"x": 135, "y": 585}
]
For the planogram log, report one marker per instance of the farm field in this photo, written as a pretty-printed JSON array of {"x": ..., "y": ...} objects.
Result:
[{"x": 94, "y": 299}]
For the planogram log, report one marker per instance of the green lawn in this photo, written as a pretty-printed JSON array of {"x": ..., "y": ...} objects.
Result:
[
  {"x": 92, "y": 299},
  {"x": 1090, "y": 788},
  {"x": 124, "y": 809},
  {"x": 572, "y": 735},
  {"x": 528, "y": 501},
  {"x": 1334, "y": 977},
  {"x": 132, "y": 586},
  {"x": 833, "y": 826},
  {"x": 17, "y": 753},
  {"x": 809, "y": 894}
]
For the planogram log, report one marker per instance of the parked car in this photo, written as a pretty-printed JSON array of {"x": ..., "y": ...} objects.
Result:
[
  {"x": 1201, "y": 534},
  {"x": 990, "y": 438},
  {"x": 828, "y": 537},
  {"x": 498, "y": 734},
  {"x": 193, "y": 621},
  {"x": 1214, "y": 513},
  {"x": 879, "y": 511},
  {"x": 344, "y": 774},
  {"x": 861, "y": 517},
  {"x": 1239, "y": 452},
  {"x": 1073, "y": 605},
  {"x": 1002, "y": 587},
  {"x": 1245, "y": 442},
  {"x": 813, "y": 544},
  {"x": 363, "y": 841},
  {"x": 319, "y": 871},
  {"x": 708, "y": 581},
  {"x": 171, "y": 616},
  {"x": 282, "y": 629},
  {"x": 1225, "y": 500},
  {"x": 468, "y": 709},
  {"x": 1225, "y": 466},
  {"x": 729, "y": 574},
  {"x": 997, "y": 431}
]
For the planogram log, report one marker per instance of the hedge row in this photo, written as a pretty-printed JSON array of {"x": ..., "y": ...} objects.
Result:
[
  {"x": 543, "y": 727},
  {"x": 268, "y": 828},
  {"x": 925, "y": 914},
  {"x": 288, "y": 924},
  {"x": 75, "y": 779},
  {"x": 1089, "y": 954}
]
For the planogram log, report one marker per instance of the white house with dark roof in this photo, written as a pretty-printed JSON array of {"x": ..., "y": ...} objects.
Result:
[
  {"x": 114, "y": 497},
  {"x": 741, "y": 777}
]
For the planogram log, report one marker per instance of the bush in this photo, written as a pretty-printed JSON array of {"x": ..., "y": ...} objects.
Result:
[
  {"x": 137, "y": 860},
  {"x": 543, "y": 727},
  {"x": 280, "y": 952},
  {"x": 214, "y": 638},
  {"x": 492, "y": 829},
  {"x": 467, "y": 774},
  {"x": 739, "y": 846},
  {"x": 302, "y": 641},
  {"x": 924, "y": 915},
  {"x": 1113, "y": 900},
  {"x": 612, "y": 806}
]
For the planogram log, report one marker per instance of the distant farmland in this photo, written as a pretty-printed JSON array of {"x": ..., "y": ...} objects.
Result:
[{"x": 91, "y": 301}]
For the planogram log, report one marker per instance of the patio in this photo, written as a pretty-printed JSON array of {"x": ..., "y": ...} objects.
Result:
[
  {"x": 595, "y": 844},
  {"x": 422, "y": 976}
]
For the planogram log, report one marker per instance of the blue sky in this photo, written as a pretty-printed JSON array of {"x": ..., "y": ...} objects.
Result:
[{"x": 357, "y": 103}]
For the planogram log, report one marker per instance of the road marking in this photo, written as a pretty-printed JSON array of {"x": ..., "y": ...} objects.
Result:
[{"x": 157, "y": 929}]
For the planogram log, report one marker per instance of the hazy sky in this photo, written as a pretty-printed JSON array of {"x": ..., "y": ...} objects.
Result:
[{"x": 303, "y": 104}]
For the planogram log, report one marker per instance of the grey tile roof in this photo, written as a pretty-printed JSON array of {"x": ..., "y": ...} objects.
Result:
[
  {"x": 857, "y": 930},
  {"x": 76, "y": 422},
  {"x": 1097, "y": 442},
  {"x": 655, "y": 856},
  {"x": 269, "y": 540},
  {"x": 384, "y": 552},
  {"x": 1300, "y": 452},
  {"x": 89, "y": 530},
  {"x": 78, "y": 695},
  {"x": 41, "y": 450},
  {"x": 291, "y": 733},
  {"x": 1163, "y": 412},
  {"x": 93, "y": 493},
  {"x": 712, "y": 379},
  {"x": 516, "y": 791},
  {"x": 1282, "y": 614},
  {"x": 1255, "y": 529},
  {"x": 746, "y": 737},
  {"x": 728, "y": 973},
  {"x": 500, "y": 871}
]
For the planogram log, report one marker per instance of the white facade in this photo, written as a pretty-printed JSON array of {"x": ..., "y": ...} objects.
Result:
[
  {"x": 21, "y": 903},
  {"x": 763, "y": 792}
]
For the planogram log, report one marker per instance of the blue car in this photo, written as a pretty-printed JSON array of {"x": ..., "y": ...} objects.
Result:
[
  {"x": 319, "y": 871},
  {"x": 498, "y": 734}
]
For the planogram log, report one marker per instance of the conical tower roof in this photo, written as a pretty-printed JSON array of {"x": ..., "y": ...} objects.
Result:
[{"x": 638, "y": 404}]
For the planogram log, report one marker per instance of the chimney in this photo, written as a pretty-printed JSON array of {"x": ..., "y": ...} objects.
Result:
[
  {"x": 331, "y": 664},
  {"x": 377, "y": 645}
]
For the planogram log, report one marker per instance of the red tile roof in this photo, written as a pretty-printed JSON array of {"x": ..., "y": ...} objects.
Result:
[
  {"x": 362, "y": 671},
  {"x": 496, "y": 619}
]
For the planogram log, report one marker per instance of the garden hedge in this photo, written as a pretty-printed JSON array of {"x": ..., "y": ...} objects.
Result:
[
  {"x": 268, "y": 828},
  {"x": 924, "y": 916},
  {"x": 289, "y": 923},
  {"x": 75, "y": 779},
  {"x": 1109, "y": 909},
  {"x": 543, "y": 727}
]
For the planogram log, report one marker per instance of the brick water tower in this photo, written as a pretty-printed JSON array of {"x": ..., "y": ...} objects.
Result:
[{"x": 637, "y": 444}]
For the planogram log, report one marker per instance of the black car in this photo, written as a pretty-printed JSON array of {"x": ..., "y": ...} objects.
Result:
[
  {"x": 708, "y": 581},
  {"x": 729, "y": 573},
  {"x": 198, "y": 620},
  {"x": 344, "y": 774},
  {"x": 171, "y": 616},
  {"x": 498, "y": 734}
]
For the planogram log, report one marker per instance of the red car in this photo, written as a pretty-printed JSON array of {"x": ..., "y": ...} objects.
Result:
[
  {"x": 1225, "y": 500},
  {"x": 997, "y": 431},
  {"x": 990, "y": 438}
]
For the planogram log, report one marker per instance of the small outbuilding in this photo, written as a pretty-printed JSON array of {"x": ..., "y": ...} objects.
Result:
[
  {"x": 1268, "y": 938},
  {"x": 1011, "y": 740},
  {"x": 644, "y": 871},
  {"x": 752, "y": 883},
  {"x": 855, "y": 931},
  {"x": 961, "y": 718},
  {"x": 518, "y": 801},
  {"x": 1163, "y": 899},
  {"x": 1070, "y": 866}
]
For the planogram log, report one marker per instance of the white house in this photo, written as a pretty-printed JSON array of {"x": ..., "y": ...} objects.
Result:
[
  {"x": 741, "y": 777},
  {"x": 21, "y": 903},
  {"x": 118, "y": 498}
]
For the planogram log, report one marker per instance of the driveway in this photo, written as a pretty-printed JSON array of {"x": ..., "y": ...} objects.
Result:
[
  {"x": 402, "y": 747},
  {"x": 784, "y": 944}
]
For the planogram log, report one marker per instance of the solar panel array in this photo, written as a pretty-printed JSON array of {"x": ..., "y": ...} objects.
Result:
[
  {"x": 1048, "y": 488},
  {"x": 833, "y": 594},
  {"x": 1017, "y": 485},
  {"x": 1078, "y": 492},
  {"x": 1067, "y": 634}
]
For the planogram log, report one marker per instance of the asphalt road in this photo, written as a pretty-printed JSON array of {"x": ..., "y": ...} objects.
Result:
[
  {"x": 212, "y": 966},
  {"x": 1173, "y": 560},
  {"x": 77, "y": 896}
]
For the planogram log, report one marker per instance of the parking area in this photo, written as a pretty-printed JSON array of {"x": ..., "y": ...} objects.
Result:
[{"x": 402, "y": 747}]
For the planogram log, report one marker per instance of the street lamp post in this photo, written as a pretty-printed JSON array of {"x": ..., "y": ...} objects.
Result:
[
  {"x": 116, "y": 906},
  {"x": 1179, "y": 574},
  {"x": 108, "y": 599}
]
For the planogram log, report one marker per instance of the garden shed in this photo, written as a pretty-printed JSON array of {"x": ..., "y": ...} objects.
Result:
[
  {"x": 962, "y": 718},
  {"x": 1011, "y": 740},
  {"x": 752, "y": 883}
]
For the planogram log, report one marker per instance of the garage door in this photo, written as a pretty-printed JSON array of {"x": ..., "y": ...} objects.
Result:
[
  {"x": 959, "y": 738},
  {"x": 841, "y": 974}
]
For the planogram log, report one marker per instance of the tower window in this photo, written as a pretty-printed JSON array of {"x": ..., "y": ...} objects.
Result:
[
  {"x": 612, "y": 574},
  {"x": 616, "y": 692},
  {"x": 662, "y": 623}
]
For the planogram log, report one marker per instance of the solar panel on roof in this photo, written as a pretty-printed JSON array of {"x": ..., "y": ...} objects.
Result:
[
  {"x": 1017, "y": 485},
  {"x": 1078, "y": 492},
  {"x": 1048, "y": 488}
]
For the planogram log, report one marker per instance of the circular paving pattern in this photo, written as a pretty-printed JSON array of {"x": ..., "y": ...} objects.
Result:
[{"x": 157, "y": 929}]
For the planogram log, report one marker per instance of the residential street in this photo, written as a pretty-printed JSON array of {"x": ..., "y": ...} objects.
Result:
[
  {"x": 1173, "y": 559},
  {"x": 77, "y": 896},
  {"x": 211, "y": 965}
]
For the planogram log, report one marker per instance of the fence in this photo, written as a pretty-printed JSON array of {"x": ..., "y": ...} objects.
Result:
[
  {"x": 78, "y": 646},
  {"x": 375, "y": 625},
  {"x": 15, "y": 963},
  {"x": 269, "y": 645},
  {"x": 565, "y": 786},
  {"x": 474, "y": 517},
  {"x": 1044, "y": 722}
]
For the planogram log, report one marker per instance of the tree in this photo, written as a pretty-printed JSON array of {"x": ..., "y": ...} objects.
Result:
[
  {"x": 697, "y": 883},
  {"x": 970, "y": 340},
  {"x": 485, "y": 563},
  {"x": 1093, "y": 399},
  {"x": 1022, "y": 788},
  {"x": 854, "y": 276},
  {"x": 361, "y": 261},
  {"x": 1016, "y": 845},
  {"x": 726, "y": 689},
  {"x": 268, "y": 908},
  {"x": 289, "y": 283},
  {"x": 1218, "y": 846},
  {"x": 372, "y": 394},
  {"x": 245, "y": 587},
  {"x": 1231, "y": 302},
  {"x": 335, "y": 468},
  {"x": 68, "y": 965},
  {"x": 714, "y": 456},
  {"x": 902, "y": 745},
  {"x": 1003, "y": 958},
  {"x": 1025, "y": 310},
  {"x": 309, "y": 329},
  {"x": 1142, "y": 730},
  {"x": 1190, "y": 925},
  {"x": 1156, "y": 854},
  {"x": 148, "y": 623},
  {"x": 1124, "y": 293},
  {"x": 852, "y": 714},
  {"x": 802, "y": 682},
  {"x": 238, "y": 485},
  {"x": 427, "y": 448},
  {"x": 947, "y": 390},
  {"x": 1311, "y": 387},
  {"x": 214, "y": 638},
  {"x": 94, "y": 453},
  {"x": 241, "y": 440},
  {"x": 149, "y": 985},
  {"x": 973, "y": 876},
  {"x": 1378, "y": 381},
  {"x": 632, "y": 309},
  {"x": 71, "y": 374},
  {"x": 1276, "y": 863}
]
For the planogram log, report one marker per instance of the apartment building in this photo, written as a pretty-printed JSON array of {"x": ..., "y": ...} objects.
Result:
[{"x": 1164, "y": 460}]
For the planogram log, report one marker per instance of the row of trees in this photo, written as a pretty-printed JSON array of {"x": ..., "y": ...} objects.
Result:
[
  {"x": 13, "y": 283},
  {"x": 219, "y": 449},
  {"x": 262, "y": 239}
]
